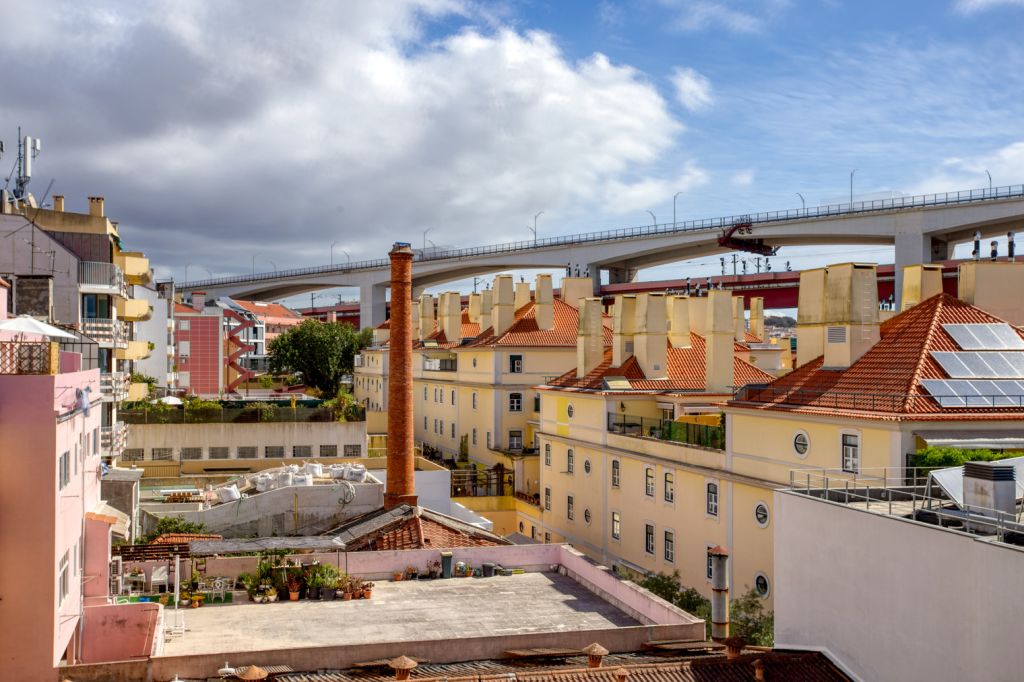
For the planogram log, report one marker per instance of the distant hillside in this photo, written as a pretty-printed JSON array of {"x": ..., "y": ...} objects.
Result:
[{"x": 776, "y": 321}]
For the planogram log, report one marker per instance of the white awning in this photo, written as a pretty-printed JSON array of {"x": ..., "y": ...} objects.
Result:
[{"x": 974, "y": 440}]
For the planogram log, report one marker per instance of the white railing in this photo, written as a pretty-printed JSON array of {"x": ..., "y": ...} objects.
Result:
[
  {"x": 107, "y": 275},
  {"x": 113, "y": 439},
  {"x": 114, "y": 384},
  {"x": 106, "y": 330}
]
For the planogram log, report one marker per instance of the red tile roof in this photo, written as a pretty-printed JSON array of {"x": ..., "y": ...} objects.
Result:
[
  {"x": 403, "y": 528},
  {"x": 180, "y": 538},
  {"x": 469, "y": 330},
  {"x": 885, "y": 383},
  {"x": 685, "y": 371},
  {"x": 524, "y": 330},
  {"x": 261, "y": 309},
  {"x": 182, "y": 308}
]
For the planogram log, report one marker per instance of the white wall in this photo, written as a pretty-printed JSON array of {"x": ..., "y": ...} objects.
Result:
[
  {"x": 153, "y": 330},
  {"x": 433, "y": 488},
  {"x": 891, "y": 599}
]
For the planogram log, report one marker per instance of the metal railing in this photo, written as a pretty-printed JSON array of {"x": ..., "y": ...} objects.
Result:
[
  {"x": 114, "y": 384},
  {"x": 663, "y": 429},
  {"x": 870, "y": 402},
  {"x": 700, "y": 224},
  {"x": 106, "y": 330},
  {"x": 485, "y": 483},
  {"x": 244, "y": 415},
  {"x": 906, "y": 492},
  {"x": 29, "y": 357},
  {"x": 91, "y": 273},
  {"x": 113, "y": 439}
]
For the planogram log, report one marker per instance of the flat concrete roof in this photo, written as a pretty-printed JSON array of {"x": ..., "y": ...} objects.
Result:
[{"x": 527, "y": 603}]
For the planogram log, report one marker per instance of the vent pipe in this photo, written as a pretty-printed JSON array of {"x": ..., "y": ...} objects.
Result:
[
  {"x": 595, "y": 653},
  {"x": 719, "y": 593},
  {"x": 993, "y": 250}
]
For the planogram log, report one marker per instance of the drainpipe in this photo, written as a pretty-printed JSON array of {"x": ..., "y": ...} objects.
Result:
[{"x": 719, "y": 593}]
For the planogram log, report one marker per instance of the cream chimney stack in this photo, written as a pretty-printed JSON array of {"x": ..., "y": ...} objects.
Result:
[
  {"x": 995, "y": 287},
  {"x": 758, "y": 317},
  {"x": 426, "y": 315},
  {"x": 718, "y": 343},
  {"x": 698, "y": 306},
  {"x": 96, "y": 207},
  {"x": 451, "y": 316},
  {"x": 679, "y": 321},
  {"x": 589, "y": 337},
  {"x": 623, "y": 328},
  {"x": 522, "y": 294},
  {"x": 199, "y": 300},
  {"x": 58, "y": 203},
  {"x": 920, "y": 282},
  {"x": 810, "y": 316},
  {"x": 739, "y": 322},
  {"x": 414, "y": 311},
  {"x": 544, "y": 310},
  {"x": 486, "y": 306},
  {"x": 575, "y": 288},
  {"x": 851, "y": 313},
  {"x": 650, "y": 342},
  {"x": 503, "y": 312},
  {"x": 474, "y": 308}
]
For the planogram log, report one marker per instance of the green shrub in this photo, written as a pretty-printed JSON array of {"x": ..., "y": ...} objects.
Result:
[{"x": 951, "y": 457}]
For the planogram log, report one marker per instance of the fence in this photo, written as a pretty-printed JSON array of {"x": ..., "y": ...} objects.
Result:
[
  {"x": 246, "y": 415},
  {"x": 29, "y": 357},
  {"x": 663, "y": 429},
  {"x": 491, "y": 482},
  {"x": 102, "y": 274}
]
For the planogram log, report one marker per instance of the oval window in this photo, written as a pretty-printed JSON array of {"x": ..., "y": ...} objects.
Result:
[
  {"x": 761, "y": 585},
  {"x": 761, "y": 514},
  {"x": 586, "y": 515},
  {"x": 570, "y": 410},
  {"x": 586, "y": 465},
  {"x": 522, "y": 527},
  {"x": 474, "y": 362},
  {"x": 801, "y": 443}
]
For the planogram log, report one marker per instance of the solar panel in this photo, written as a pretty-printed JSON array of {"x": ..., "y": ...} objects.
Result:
[
  {"x": 999, "y": 336},
  {"x": 975, "y": 393},
  {"x": 981, "y": 365}
]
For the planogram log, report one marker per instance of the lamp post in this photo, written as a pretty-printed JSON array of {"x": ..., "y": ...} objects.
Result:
[
  {"x": 254, "y": 264},
  {"x": 653, "y": 217},
  {"x": 851, "y": 187},
  {"x": 425, "y": 237},
  {"x": 187, "y": 266},
  {"x": 674, "y": 197},
  {"x": 333, "y": 244},
  {"x": 989, "y": 182},
  {"x": 348, "y": 258},
  {"x": 803, "y": 204},
  {"x": 534, "y": 228}
]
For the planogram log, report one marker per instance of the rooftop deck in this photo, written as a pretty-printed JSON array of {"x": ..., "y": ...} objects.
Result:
[{"x": 448, "y": 610}]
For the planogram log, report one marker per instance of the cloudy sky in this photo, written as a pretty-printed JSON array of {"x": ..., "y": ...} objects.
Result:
[{"x": 228, "y": 134}]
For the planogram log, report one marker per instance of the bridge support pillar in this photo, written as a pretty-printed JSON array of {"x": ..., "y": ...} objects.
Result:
[
  {"x": 915, "y": 249},
  {"x": 372, "y": 304},
  {"x": 621, "y": 275}
]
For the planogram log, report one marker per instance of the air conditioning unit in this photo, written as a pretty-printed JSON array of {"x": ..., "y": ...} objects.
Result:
[{"x": 116, "y": 567}]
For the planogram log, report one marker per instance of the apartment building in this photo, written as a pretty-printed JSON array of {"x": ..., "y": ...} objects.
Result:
[
  {"x": 71, "y": 269},
  {"x": 209, "y": 343},
  {"x": 159, "y": 330}
]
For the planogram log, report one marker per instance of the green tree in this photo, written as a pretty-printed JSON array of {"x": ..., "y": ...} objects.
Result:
[
  {"x": 321, "y": 352},
  {"x": 171, "y": 524},
  {"x": 688, "y": 599},
  {"x": 932, "y": 456}
]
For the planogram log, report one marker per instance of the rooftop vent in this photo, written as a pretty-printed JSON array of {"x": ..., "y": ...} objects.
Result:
[{"x": 990, "y": 485}]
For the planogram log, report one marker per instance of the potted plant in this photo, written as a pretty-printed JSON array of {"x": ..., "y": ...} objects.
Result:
[
  {"x": 434, "y": 570},
  {"x": 314, "y": 581},
  {"x": 195, "y": 580},
  {"x": 271, "y": 594},
  {"x": 294, "y": 585},
  {"x": 249, "y": 583},
  {"x": 397, "y": 576},
  {"x": 185, "y": 598},
  {"x": 329, "y": 576},
  {"x": 411, "y": 573},
  {"x": 345, "y": 586},
  {"x": 367, "y": 590}
]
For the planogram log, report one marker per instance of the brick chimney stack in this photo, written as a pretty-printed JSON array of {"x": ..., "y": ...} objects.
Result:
[{"x": 401, "y": 462}]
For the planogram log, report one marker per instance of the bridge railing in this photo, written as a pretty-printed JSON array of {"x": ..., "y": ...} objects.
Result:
[{"x": 697, "y": 225}]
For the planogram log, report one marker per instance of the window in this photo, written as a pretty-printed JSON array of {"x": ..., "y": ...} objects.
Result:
[
  {"x": 474, "y": 400},
  {"x": 183, "y": 325},
  {"x": 133, "y": 454},
  {"x": 424, "y": 423},
  {"x": 474, "y": 362},
  {"x": 424, "y": 392},
  {"x": 547, "y": 538},
  {"x": 616, "y": 473},
  {"x": 435, "y": 425},
  {"x": 586, "y": 516},
  {"x": 761, "y": 585},
  {"x": 649, "y": 538},
  {"x": 159, "y": 454},
  {"x": 586, "y": 466},
  {"x": 63, "y": 583},
  {"x": 474, "y": 435},
  {"x": 547, "y": 498},
  {"x": 515, "y": 440},
  {"x": 649, "y": 481},
  {"x": 329, "y": 450},
  {"x": 453, "y": 396},
  {"x": 515, "y": 364},
  {"x": 522, "y": 526},
  {"x": 302, "y": 451},
  {"x": 247, "y": 451},
  {"x": 191, "y": 453},
  {"x": 96, "y": 441},
  {"x": 515, "y": 402},
  {"x": 616, "y": 525},
  {"x": 710, "y": 570},
  {"x": 670, "y": 487},
  {"x": 453, "y": 430},
  {"x": 219, "y": 452},
  {"x": 570, "y": 460},
  {"x": 570, "y": 508},
  {"x": 801, "y": 444},
  {"x": 570, "y": 410},
  {"x": 851, "y": 453},
  {"x": 761, "y": 514},
  {"x": 442, "y": 427},
  {"x": 712, "y": 499},
  {"x": 273, "y": 451},
  {"x": 64, "y": 472},
  {"x": 353, "y": 450},
  {"x": 547, "y": 454},
  {"x": 670, "y": 546}
]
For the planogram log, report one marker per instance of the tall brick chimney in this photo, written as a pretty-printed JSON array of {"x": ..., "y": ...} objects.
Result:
[{"x": 401, "y": 462}]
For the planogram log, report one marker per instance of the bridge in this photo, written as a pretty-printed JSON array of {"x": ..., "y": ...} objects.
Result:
[{"x": 923, "y": 229}]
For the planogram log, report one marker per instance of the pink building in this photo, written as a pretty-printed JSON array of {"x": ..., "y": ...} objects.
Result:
[
  {"x": 54, "y": 528},
  {"x": 209, "y": 344}
]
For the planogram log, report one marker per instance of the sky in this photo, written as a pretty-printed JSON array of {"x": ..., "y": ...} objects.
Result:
[{"x": 231, "y": 136}]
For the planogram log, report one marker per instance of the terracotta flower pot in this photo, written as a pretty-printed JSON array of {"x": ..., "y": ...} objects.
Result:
[
  {"x": 293, "y": 596},
  {"x": 367, "y": 593},
  {"x": 346, "y": 596}
]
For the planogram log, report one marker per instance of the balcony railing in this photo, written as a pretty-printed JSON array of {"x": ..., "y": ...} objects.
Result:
[
  {"x": 106, "y": 275},
  {"x": 487, "y": 483},
  {"x": 113, "y": 439},
  {"x": 663, "y": 429},
  {"x": 440, "y": 364},
  {"x": 114, "y": 385},
  {"x": 29, "y": 357},
  {"x": 106, "y": 331},
  {"x": 245, "y": 415}
]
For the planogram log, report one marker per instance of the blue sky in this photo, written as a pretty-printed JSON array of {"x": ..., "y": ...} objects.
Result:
[{"x": 360, "y": 124}]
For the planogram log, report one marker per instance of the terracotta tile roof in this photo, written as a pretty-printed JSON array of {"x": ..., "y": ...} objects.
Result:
[
  {"x": 261, "y": 309},
  {"x": 885, "y": 383},
  {"x": 182, "y": 308},
  {"x": 524, "y": 331},
  {"x": 402, "y": 528},
  {"x": 469, "y": 330},
  {"x": 179, "y": 538},
  {"x": 685, "y": 371}
]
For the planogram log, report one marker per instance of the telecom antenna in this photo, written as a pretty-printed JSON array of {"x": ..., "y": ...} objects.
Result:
[{"x": 28, "y": 149}]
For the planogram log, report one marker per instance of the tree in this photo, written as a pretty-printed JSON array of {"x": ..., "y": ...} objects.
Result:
[
  {"x": 322, "y": 352},
  {"x": 171, "y": 524},
  {"x": 688, "y": 599}
]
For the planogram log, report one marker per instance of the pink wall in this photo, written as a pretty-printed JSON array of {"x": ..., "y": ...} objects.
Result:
[
  {"x": 39, "y": 522},
  {"x": 205, "y": 357},
  {"x": 120, "y": 632}
]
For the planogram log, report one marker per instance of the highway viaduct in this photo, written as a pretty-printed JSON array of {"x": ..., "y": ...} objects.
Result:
[{"x": 922, "y": 228}]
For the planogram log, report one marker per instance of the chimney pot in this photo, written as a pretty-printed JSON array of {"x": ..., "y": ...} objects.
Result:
[
  {"x": 199, "y": 300},
  {"x": 734, "y": 647},
  {"x": 403, "y": 666},
  {"x": 590, "y": 337},
  {"x": 96, "y": 207},
  {"x": 544, "y": 310},
  {"x": 576, "y": 288},
  {"x": 720, "y": 594},
  {"x": 595, "y": 653},
  {"x": 620, "y": 674}
]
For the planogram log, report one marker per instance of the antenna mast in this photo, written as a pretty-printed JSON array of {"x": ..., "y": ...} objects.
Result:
[{"x": 28, "y": 149}]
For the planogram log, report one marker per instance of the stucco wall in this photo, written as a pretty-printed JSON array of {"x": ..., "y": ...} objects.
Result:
[
  {"x": 891, "y": 599},
  {"x": 287, "y": 434}
]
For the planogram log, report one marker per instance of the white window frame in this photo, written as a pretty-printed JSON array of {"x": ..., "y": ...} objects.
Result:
[
  {"x": 515, "y": 402},
  {"x": 511, "y": 444},
  {"x": 63, "y": 580},
  {"x": 712, "y": 498},
  {"x": 570, "y": 507},
  {"x": 616, "y": 525},
  {"x": 669, "y": 545},
  {"x": 650, "y": 533},
  {"x": 515, "y": 364},
  {"x": 649, "y": 481},
  {"x": 547, "y": 454},
  {"x": 570, "y": 461},
  {"x": 669, "y": 483},
  {"x": 843, "y": 457},
  {"x": 768, "y": 514},
  {"x": 547, "y": 499},
  {"x": 616, "y": 473}
]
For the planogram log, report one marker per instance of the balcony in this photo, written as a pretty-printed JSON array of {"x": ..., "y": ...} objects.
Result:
[
  {"x": 134, "y": 310},
  {"x": 672, "y": 431},
  {"x": 138, "y": 391},
  {"x": 440, "y": 364},
  {"x": 114, "y": 386},
  {"x": 101, "y": 278},
  {"x": 106, "y": 332},
  {"x": 135, "y": 266},
  {"x": 133, "y": 350},
  {"x": 113, "y": 440},
  {"x": 476, "y": 483},
  {"x": 29, "y": 357}
]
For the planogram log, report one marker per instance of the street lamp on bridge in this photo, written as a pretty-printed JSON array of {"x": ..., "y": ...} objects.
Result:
[
  {"x": 674, "y": 197},
  {"x": 653, "y": 217}
]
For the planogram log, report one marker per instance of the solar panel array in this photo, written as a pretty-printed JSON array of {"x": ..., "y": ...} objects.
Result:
[
  {"x": 975, "y": 393},
  {"x": 981, "y": 365},
  {"x": 985, "y": 336}
]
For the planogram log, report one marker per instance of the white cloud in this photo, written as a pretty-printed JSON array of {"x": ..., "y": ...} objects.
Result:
[
  {"x": 743, "y": 178},
  {"x": 622, "y": 198},
  {"x": 1006, "y": 165},
  {"x": 739, "y": 16},
  {"x": 973, "y": 6},
  {"x": 693, "y": 90}
]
